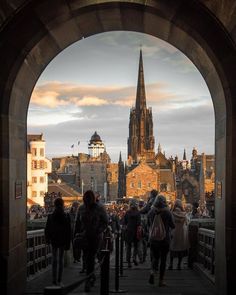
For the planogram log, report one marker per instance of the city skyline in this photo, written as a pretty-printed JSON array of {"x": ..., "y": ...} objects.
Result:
[{"x": 91, "y": 86}]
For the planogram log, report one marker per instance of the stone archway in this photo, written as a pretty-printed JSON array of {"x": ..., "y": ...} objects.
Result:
[{"x": 33, "y": 32}]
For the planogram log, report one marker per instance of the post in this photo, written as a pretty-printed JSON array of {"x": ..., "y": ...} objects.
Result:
[
  {"x": 105, "y": 268},
  {"x": 121, "y": 252},
  {"x": 117, "y": 268}
]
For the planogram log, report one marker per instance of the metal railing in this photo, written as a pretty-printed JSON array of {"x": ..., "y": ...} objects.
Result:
[
  {"x": 206, "y": 250},
  {"x": 39, "y": 255}
]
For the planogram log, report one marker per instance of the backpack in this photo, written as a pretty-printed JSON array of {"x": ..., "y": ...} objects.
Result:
[{"x": 157, "y": 231}]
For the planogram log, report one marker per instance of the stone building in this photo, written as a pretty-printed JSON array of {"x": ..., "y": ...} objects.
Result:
[
  {"x": 112, "y": 181},
  {"x": 141, "y": 140},
  {"x": 195, "y": 178},
  {"x": 38, "y": 167},
  {"x": 141, "y": 180},
  {"x": 141, "y": 149},
  {"x": 93, "y": 168}
]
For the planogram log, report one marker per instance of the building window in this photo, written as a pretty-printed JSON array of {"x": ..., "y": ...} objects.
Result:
[
  {"x": 139, "y": 184},
  {"x": 34, "y": 179},
  {"x": 132, "y": 185},
  {"x": 42, "y": 152},
  {"x": 41, "y": 165},
  {"x": 34, "y": 152},
  {"x": 34, "y": 164},
  {"x": 41, "y": 193},
  {"x": 34, "y": 194},
  {"x": 149, "y": 184},
  {"x": 42, "y": 179}
]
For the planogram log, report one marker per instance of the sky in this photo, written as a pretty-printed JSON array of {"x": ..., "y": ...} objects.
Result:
[{"x": 91, "y": 86}]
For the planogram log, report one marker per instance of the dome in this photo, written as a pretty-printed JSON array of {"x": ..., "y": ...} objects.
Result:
[{"x": 95, "y": 137}]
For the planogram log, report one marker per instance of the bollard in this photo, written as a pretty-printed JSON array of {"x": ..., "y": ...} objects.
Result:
[
  {"x": 105, "y": 269},
  {"x": 117, "y": 267},
  {"x": 121, "y": 253}
]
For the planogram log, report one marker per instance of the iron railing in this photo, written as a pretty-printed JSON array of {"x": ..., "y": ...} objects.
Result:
[
  {"x": 39, "y": 255},
  {"x": 206, "y": 250}
]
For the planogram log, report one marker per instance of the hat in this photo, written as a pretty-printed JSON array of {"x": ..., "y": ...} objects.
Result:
[{"x": 160, "y": 202}]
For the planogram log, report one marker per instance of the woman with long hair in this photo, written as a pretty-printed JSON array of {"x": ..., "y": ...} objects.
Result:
[{"x": 90, "y": 224}]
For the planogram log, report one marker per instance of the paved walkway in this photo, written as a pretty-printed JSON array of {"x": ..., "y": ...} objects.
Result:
[{"x": 135, "y": 281}]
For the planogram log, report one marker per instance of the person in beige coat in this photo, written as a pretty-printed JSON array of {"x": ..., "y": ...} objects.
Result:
[{"x": 179, "y": 243}]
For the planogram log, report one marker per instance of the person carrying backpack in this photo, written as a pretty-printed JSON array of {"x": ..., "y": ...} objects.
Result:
[{"x": 160, "y": 223}]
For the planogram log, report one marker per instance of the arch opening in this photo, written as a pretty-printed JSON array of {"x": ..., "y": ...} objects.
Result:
[{"x": 27, "y": 58}]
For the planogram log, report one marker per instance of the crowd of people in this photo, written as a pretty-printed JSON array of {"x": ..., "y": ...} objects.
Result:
[{"x": 157, "y": 225}]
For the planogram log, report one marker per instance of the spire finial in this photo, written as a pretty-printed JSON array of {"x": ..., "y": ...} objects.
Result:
[{"x": 141, "y": 95}]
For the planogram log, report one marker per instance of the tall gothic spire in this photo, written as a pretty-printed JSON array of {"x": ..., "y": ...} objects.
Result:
[
  {"x": 184, "y": 155},
  {"x": 120, "y": 157},
  {"x": 140, "y": 96}
]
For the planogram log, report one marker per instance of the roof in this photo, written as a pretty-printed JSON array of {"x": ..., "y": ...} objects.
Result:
[
  {"x": 95, "y": 138},
  {"x": 35, "y": 137}
]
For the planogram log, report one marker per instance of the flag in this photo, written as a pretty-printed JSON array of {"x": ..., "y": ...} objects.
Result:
[{"x": 72, "y": 146}]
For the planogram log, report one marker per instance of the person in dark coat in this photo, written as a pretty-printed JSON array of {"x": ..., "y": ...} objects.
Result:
[
  {"x": 160, "y": 249},
  {"x": 90, "y": 224},
  {"x": 132, "y": 220},
  {"x": 73, "y": 214},
  {"x": 150, "y": 201},
  {"x": 58, "y": 234}
]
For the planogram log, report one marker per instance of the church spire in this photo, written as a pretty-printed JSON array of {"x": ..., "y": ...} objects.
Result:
[
  {"x": 184, "y": 156},
  {"x": 120, "y": 158},
  {"x": 140, "y": 96}
]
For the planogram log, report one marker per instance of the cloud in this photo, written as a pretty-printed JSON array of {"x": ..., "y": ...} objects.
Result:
[
  {"x": 48, "y": 98},
  {"x": 88, "y": 101}
]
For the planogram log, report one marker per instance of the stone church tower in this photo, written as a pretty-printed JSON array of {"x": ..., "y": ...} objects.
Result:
[{"x": 141, "y": 140}]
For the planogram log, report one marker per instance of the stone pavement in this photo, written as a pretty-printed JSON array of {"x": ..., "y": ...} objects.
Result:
[{"x": 135, "y": 281}]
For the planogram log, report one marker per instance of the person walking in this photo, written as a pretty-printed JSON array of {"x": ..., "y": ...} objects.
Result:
[
  {"x": 73, "y": 214},
  {"x": 159, "y": 247},
  {"x": 150, "y": 201},
  {"x": 90, "y": 224},
  {"x": 131, "y": 223},
  {"x": 58, "y": 234},
  {"x": 179, "y": 243}
]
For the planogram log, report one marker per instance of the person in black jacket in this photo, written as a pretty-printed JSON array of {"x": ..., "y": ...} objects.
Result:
[
  {"x": 132, "y": 220},
  {"x": 150, "y": 201},
  {"x": 90, "y": 224},
  {"x": 58, "y": 234},
  {"x": 160, "y": 249}
]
